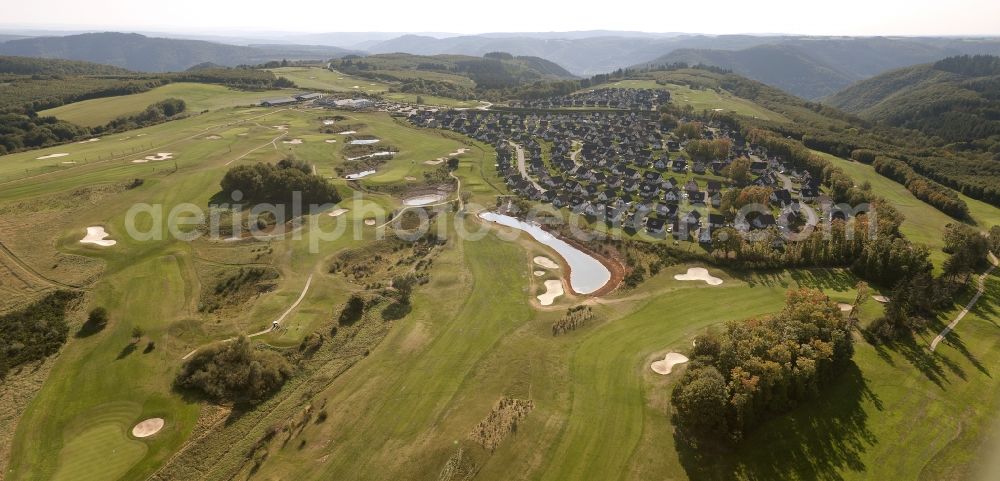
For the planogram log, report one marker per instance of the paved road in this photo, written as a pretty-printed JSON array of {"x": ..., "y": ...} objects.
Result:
[
  {"x": 979, "y": 292},
  {"x": 523, "y": 168}
]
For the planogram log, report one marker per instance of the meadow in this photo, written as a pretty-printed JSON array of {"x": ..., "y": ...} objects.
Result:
[
  {"x": 401, "y": 398},
  {"x": 332, "y": 81},
  {"x": 701, "y": 99},
  {"x": 197, "y": 96}
]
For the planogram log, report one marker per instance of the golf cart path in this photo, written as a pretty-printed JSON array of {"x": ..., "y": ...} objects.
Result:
[
  {"x": 980, "y": 288},
  {"x": 277, "y": 322},
  {"x": 458, "y": 198}
]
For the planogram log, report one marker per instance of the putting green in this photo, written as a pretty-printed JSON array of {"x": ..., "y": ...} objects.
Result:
[{"x": 101, "y": 453}]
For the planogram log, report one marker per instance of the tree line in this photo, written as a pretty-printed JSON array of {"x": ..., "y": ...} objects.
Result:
[{"x": 937, "y": 195}]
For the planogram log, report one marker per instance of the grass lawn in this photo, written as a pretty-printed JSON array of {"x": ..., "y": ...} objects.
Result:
[
  {"x": 198, "y": 97},
  {"x": 324, "y": 79},
  {"x": 711, "y": 100},
  {"x": 923, "y": 224},
  {"x": 405, "y": 406},
  {"x": 682, "y": 95}
]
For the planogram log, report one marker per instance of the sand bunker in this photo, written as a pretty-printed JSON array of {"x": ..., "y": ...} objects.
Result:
[
  {"x": 881, "y": 299},
  {"x": 88, "y": 141},
  {"x": 280, "y": 127},
  {"x": 337, "y": 212},
  {"x": 364, "y": 141},
  {"x": 329, "y": 122},
  {"x": 68, "y": 162},
  {"x": 51, "y": 156},
  {"x": 845, "y": 307},
  {"x": 369, "y": 221},
  {"x": 348, "y": 132},
  {"x": 147, "y": 428},
  {"x": 665, "y": 366},
  {"x": 356, "y": 87},
  {"x": 442, "y": 159},
  {"x": 423, "y": 200},
  {"x": 539, "y": 273},
  {"x": 359, "y": 175},
  {"x": 158, "y": 156},
  {"x": 330, "y": 141},
  {"x": 410, "y": 178},
  {"x": 553, "y": 289},
  {"x": 699, "y": 274},
  {"x": 293, "y": 141},
  {"x": 376, "y": 154},
  {"x": 213, "y": 137},
  {"x": 96, "y": 235},
  {"x": 545, "y": 262}
]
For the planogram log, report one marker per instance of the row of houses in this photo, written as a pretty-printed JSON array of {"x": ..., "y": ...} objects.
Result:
[
  {"x": 622, "y": 168},
  {"x": 613, "y": 98}
]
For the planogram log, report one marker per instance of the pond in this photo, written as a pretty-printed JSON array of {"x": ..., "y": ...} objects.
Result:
[{"x": 587, "y": 274}]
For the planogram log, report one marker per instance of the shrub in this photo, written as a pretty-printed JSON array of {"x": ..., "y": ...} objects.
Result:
[
  {"x": 34, "y": 332},
  {"x": 234, "y": 373},
  {"x": 352, "y": 311}
]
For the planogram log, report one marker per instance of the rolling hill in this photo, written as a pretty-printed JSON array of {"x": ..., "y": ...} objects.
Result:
[
  {"x": 36, "y": 66},
  {"x": 956, "y": 99},
  {"x": 493, "y": 70},
  {"x": 581, "y": 55},
  {"x": 816, "y": 67},
  {"x": 151, "y": 54}
]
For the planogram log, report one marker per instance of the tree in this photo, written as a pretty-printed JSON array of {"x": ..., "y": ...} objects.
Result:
[
  {"x": 689, "y": 130},
  {"x": 967, "y": 248},
  {"x": 97, "y": 319},
  {"x": 701, "y": 402},
  {"x": 739, "y": 171},
  {"x": 137, "y": 334},
  {"x": 353, "y": 310}
]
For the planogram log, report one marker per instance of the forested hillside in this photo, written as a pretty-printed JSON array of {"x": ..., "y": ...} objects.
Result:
[
  {"x": 38, "y": 66},
  {"x": 150, "y": 54},
  {"x": 492, "y": 71},
  {"x": 817, "y": 67},
  {"x": 956, "y": 99}
]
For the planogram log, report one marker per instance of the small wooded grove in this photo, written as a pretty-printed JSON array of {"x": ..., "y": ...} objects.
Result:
[
  {"x": 275, "y": 183},
  {"x": 234, "y": 372},
  {"x": 35, "y": 332},
  {"x": 758, "y": 368}
]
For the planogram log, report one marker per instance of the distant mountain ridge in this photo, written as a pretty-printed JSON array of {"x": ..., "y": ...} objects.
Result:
[
  {"x": 582, "y": 56},
  {"x": 813, "y": 68},
  {"x": 153, "y": 54}
]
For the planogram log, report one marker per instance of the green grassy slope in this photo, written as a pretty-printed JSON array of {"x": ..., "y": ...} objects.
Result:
[{"x": 199, "y": 97}]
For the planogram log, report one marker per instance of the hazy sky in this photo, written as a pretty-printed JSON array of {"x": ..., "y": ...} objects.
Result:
[{"x": 843, "y": 17}]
